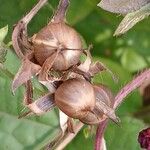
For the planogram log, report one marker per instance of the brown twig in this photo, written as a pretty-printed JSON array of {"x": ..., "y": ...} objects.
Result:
[
  {"x": 124, "y": 92},
  {"x": 20, "y": 30}
]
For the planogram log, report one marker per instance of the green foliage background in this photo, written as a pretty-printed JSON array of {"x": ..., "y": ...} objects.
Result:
[{"x": 124, "y": 55}]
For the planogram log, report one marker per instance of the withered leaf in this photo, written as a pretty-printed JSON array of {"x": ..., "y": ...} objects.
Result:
[{"x": 26, "y": 72}]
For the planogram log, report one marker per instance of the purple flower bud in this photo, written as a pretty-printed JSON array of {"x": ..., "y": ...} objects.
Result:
[{"x": 144, "y": 138}]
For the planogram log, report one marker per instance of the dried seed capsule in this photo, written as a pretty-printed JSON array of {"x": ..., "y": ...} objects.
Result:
[
  {"x": 75, "y": 97},
  {"x": 57, "y": 37},
  {"x": 103, "y": 108}
]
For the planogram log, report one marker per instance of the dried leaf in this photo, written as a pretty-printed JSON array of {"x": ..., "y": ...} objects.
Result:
[
  {"x": 26, "y": 72},
  {"x": 131, "y": 19},
  {"x": 122, "y": 6},
  {"x": 3, "y": 33}
]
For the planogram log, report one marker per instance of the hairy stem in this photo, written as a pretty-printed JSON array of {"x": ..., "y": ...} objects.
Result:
[
  {"x": 124, "y": 92},
  {"x": 131, "y": 86},
  {"x": 99, "y": 134}
]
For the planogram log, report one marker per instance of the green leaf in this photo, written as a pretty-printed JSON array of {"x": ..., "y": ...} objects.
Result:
[
  {"x": 81, "y": 143},
  {"x": 132, "y": 61},
  {"x": 78, "y": 10},
  {"x": 3, "y": 33},
  {"x": 122, "y": 6},
  {"x": 131, "y": 19},
  {"x": 3, "y": 52},
  {"x": 124, "y": 137},
  {"x": 22, "y": 134}
]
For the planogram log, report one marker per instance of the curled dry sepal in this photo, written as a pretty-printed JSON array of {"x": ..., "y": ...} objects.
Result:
[{"x": 53, "y": 55}]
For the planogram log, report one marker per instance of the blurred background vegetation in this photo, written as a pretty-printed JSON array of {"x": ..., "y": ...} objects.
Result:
[{"x": 125, "y": 56}]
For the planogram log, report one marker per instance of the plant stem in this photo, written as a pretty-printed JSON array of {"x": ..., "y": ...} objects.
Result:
[
  {"x": 124, "y": 92},
  {"x": 131, "y": 86}
]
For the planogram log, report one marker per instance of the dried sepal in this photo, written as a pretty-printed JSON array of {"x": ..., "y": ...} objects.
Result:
[
  {"x": 88, "y": 69},
  {"x": 42, "y": 104},
  {"x": 51, "y": 85},
  {"x": 85, "y": 66},
  {"x": 70, "y": 124},
  {"x": 60, "y": 14},
  {"x": 43, "y": 76},
  {"x": 101, "y": 107},
  {"x": 28, "y": 93},
  {"x": 20, "y": 29},
  {"x": 96, "y": 68},
  {"x": 27, "y": 70},
  {"x": 63, "y": 118},
  {"x": 100, "y": 65}
]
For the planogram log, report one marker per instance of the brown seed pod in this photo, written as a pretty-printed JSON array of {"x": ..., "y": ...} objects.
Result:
[
  {"x": 57, "y": 37},
  {"x": 75, "y": 97},
  {"x": 103, "y": 108}
]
